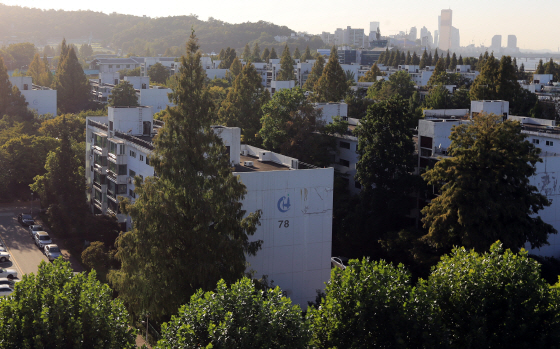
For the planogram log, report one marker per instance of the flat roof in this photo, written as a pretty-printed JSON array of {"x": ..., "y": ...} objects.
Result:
[{"x": 258, "y": 166}]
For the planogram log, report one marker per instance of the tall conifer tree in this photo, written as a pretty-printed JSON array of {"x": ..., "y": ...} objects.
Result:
[
  {"x": 332, "y": 85},
  {"x": 71, "y": 85},
  {"x": 286, "y": 72}
]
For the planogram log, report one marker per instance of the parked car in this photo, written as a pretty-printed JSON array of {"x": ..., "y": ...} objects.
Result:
[
  {"x": 3, "y": 249},
  {"x": 42, "y": 239},
  {"x": 25, "y": 219},
  {"x": 4, "y": 256},
  {"x": 8, "y": 273},
  {"x": 6, "y": 281},
  {"x": 35, "y": 227},
  {"x": 340, "y": 262},
  {"x": 52, "y": 252},
  {"x": 5, "y": 290}
]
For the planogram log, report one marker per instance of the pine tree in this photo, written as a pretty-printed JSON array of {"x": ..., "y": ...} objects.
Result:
[
  {"x": 265, "y": 55},
  {"x": 12, "y": 102},
  {"x": 424, "y": 60},
  {"x": 247, "y": 53},
  {"x": 332, "y": 85},
  {"x": 549, "y": 67},
  {"x": 439, "y": 76},
  {"x": 540, "y": 67},
  {"x": 71, "y": 85},
  {"x": 381, "y": 58},
  {"x": 460, "y": 61},
  {"x": 436, "y": 58},
  {"x": 447, "y": 61},
  {"x": 188, "y": 221},
  {"x": 234, "y": 69},
  {"x": 402, "y": 59},
  {"x": 297, "y": 54},
  {"x": 227, "y": 60},
  {"x": 430, "y": 60},
  {"x": 485, "y": 84},
  {"x": 242, "y": 106},
  {"x": 453, "y": 64},
  {"x": 273, "y": 54},
  {"x": 415, "y": 60},
  {"x": 408, "y": 60},
  {"x": 256, "y": 55},
  {"x": 286, "y": 72},
  {"x": 316, "y": 72},
  {"x": 306, "y": 55},
  {"x": 222, "y": 54}
]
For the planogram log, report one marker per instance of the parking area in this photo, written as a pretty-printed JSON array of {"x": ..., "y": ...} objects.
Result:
[{"x": 25, "y": 255}]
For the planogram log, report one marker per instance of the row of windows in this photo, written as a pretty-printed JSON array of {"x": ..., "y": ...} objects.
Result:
[
  {"x": 537, "y": 141},
  {"x": 118, "y": 66},
  {"x": 346, "y": 145}
]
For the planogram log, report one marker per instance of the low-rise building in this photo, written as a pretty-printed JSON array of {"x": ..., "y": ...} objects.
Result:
[
  {"x": 41, "y": 99},
  {"x": 296, "y": 200}
]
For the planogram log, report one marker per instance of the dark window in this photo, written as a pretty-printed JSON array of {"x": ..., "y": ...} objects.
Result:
[
  {"x": 131, "y": 193},
  {"x": 228, "y": 151},
  {"x": 131, "y": 173},
  {"x": 147, "y": 161},
  {"x": 535, "y": 141},
  {"x": 425, "y": 152},
  {"x": 116, "y": 81},
  {"x": 357, "y": 185},
  {"x": 344, "y": 145},
  {"x": 128, "y": 65},
  {"x": 344, "y": 162},
  {"x": 122, "y": 170},
  {"x": 143, "y": 86},
  {"x": 147, "y": 128},
  {"x": 549, "y": 143},
  {"x": 426, "y": 142},
  {"x": 25, "y": 87},
  {"x": 110, "y": 126}
]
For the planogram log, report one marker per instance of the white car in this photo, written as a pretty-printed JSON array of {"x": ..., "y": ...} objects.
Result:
[
  {"x": 52, "y": 252},
  {"x": 6, "y": 281},
  {"x": 34, "y": 228},
  {"x": 3, "y": 249},
  {"x": 5, "y": 290},
  {"x": 4, "y": 256},
  {"x": 8, "y": 273},
  {"x": 42, "y": 239}
]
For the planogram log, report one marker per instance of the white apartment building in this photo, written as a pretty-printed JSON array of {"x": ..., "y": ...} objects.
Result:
[
  {"x": 433, "y": 141},
  {"x": 296, "y": 202},
  {"x": 39, "y": 98}
]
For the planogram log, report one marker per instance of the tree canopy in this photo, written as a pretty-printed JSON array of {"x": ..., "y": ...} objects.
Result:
[
  {"x": 158, "y": 73},
  {"x": 123, "y": 95},
  {"x": 332, "y": 86},
  {"x": 59, "y": 309},
  {"x": 286, "y": 72},
  {"x": 485, "y": 190},
  {"x": 239, "y": 316}
]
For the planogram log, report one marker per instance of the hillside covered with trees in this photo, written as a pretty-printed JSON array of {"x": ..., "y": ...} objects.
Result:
[{"x": 135, "y": 35}]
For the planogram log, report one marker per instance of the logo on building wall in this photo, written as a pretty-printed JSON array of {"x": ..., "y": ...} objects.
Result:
[{"x": 284, "y": 203}]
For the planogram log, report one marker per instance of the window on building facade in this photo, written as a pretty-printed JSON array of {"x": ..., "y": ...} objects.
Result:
[
  {"x": 131, "y": 173},
  {"x": 357, "y": 185},
  {"x": 535, "y": 141},
  {"x": 128, "y": 65},
  {"x": 344, "y": 162},
  {"x": 122, "y": 170},
  {"x": 118, "y": 66},
  {"x": 549, "y": 143},
  {"x": 141, "y": 157},
  {"x": 110, "y": 66},
  {"x": 132, "y": 153},
  {"x": 344, "y": 145}
]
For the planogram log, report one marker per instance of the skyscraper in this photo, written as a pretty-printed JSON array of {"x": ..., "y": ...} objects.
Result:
[
  {"x": 496, "y": 42},
  {"x": 512, "y": 42},
  {"x": 412, "y": 34},
  {"x": 445, "y": 30}
]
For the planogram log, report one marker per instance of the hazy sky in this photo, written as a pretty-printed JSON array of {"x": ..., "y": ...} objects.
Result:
[{"x": 536, "y": 23}]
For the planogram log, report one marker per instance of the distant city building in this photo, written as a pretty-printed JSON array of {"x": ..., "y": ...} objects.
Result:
[
  {"x": 512, "y": 42},
  {"x": 436, "y": 38},
  {"x": 426, "y": 37},
  {"x": 496, "y": 42},
  {"x": 455, "y": 39},
  {"x": 373, "y": 29},
  {"x": 354, "y": 37},
  {"x": 445, "y": 31},
  {"x": 412, "y": 34}
]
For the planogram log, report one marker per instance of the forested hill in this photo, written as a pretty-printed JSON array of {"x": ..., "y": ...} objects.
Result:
[{"x": 135, "y": 34}]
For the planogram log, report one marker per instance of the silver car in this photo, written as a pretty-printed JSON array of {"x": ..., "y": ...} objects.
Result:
[
  {"x": 4, "y": 256},
  {"x": 9, "y": 273},
  {"x": 52, "y": 252},
  {"x": 42, "y": 239},
  {"x": 34, "y": 228}
]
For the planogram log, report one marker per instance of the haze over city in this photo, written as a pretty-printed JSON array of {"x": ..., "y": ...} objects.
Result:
[{"x": 534, "y": 24}]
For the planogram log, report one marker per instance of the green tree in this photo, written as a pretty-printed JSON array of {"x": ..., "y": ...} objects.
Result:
[
  {"x": 365, "y": 306},
  {"x": 408, "y": 59},
  {"x": 486, "y": 194},
  {"x": 96, "y": 257},
  {"x": 439, "y": 76},
  {"x": 438, "y": 98},
  {"x": 399, "y": 83},
  {"x": 415, "y": 60},
  {"x": 436, "y": 57},
  {"x": 158, "y": 73},
  {"x": 460, "y": 61},
  {"x": 247, "y": 53},
  {"x": 315, "y": 75},
  {"x": 423, "y": 61},
  {"x": 62, "y": 188},
  {"x": 240, "y": 316},
  {"x": 265, "y": 55},
  {"x": 86, "y": 51},
  {"x": 453, "y": 63},
  {"x": 447, "y": 62},
  {"x": 485, "y": 84},
  {"x": 39, "y": 71},
  {"x": 273, "y": 54},
  {"x": 70, "y": 82},
  {"x": 234, "y": 69},
  {"x": 332, "y": 86},
  {"x": 286, "y": 72},
  {"x": 429, "y": 60},
  {"x": 540, "y": 68},
  {"x": 59, "y": 309},
  {"x": 306, "y": 55},
  {"x": 129, "y": 72},
  {"x": 188, "y": 220},
  {"x": 123, "y": 95},
  {"x": 227, "y": 60},
  {"x": 372, "y": 74},
  {"x": 292, "y": 126},
  {"x": 70, "y": 123},
  {"x": 242, "y": 106},
  {"x": 491, "y": 300},
  {"x": 11, "y": 100},
  {"x": 297, "y": 54},
  {"x": 256, "y": 54}
]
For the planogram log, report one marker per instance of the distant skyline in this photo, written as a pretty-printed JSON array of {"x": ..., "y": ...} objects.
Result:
[{"x": 534, "y": 23}]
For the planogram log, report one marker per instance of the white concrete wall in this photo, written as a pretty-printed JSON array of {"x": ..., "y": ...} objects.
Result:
[
  {"x": 332, "y": 109},
  {"x": 216, "y": 73},
  {"x": 231, "y": 136},
  {"x": 139, "y": 82},
  {"x": 130, "y": 119},
  {"x": 494, "y": 106},
  {"x": 42, "y": 101},
  {"x": 445, "y": 112},
  {"x": 109, "y": 78},
  {"x": 21, "y": 81},
  {"x": 297, "y": 240},
  {"x": 156, "y": 98}
]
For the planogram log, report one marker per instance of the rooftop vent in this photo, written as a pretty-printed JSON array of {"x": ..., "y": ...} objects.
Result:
[{"x": 248, "y": 164}]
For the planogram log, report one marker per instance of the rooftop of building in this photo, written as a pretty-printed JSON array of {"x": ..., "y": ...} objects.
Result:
[{"x": 258, "y": 166}]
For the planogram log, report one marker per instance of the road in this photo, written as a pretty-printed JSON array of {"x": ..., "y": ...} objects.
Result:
[{"x": 25, "y": 255}]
